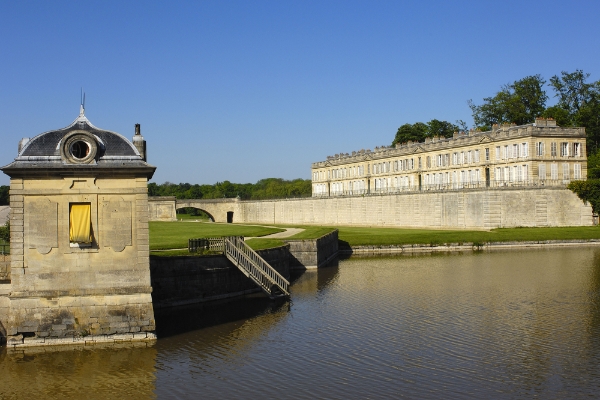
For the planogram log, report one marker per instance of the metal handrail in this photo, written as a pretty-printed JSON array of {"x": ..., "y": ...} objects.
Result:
[
  {"x": 216, "y": 244},
  {"x": 454, "y": 186},
  {"x": 255, "y": 267}
]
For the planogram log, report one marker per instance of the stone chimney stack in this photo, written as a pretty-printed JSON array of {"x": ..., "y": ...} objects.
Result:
[{"x": 139, "y": 142}]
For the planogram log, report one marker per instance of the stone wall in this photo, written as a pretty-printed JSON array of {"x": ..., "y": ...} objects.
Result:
[
  {"x": 313, "y": 253},
  {"x": 162, "y": 208},
  {"x": 458, "y": 209},
  {"x": 4, "y": 214},
  {"x": 62, "y": 292},
  {"x": 195, "y": 279},
  {"x": 479, "y": 209},
  {"x": 4, "y": 267}
]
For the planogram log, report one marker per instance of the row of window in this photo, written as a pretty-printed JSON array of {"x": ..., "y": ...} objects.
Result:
[
  {"x": 514, "y": 173},
  {"x": 349, "y": 187},
  {"x": 566, "y": 149},
  {"x": 506, "y": 152},
  {"x": 542, "y": 173}
]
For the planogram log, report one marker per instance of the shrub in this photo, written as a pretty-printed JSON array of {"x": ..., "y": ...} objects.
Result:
[{"x": 5, "y": 232}]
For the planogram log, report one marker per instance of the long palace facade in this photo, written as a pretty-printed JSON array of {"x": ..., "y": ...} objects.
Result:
[{"x": 538, "y": 154}]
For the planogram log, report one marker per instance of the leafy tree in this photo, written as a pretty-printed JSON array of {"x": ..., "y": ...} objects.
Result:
[
  {"x": 559, "y": 114},
  {"x": 572, "y": 90},
  {"x": 519, "y": 102},
  {"x": 411, "y": 132},
  {"x": 4, "y": 197},
  {"x": 5, "y": 232},
  {"x": 593, "y": 165},
  {"x": 588, "y": 191},
  {"x": 441, "y": 128},
  {"x": 270, "y": 188},
  {"x": 418, "y": 131},
  {"x": 580, "y": 101}
]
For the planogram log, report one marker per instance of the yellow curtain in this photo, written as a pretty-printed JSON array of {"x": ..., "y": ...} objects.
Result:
[{"x": 80, "y": 224}]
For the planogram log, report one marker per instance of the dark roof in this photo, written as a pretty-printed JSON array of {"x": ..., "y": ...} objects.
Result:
[
  {"x": 114, "y": 151},
  {"x": 47, "y": 144}
]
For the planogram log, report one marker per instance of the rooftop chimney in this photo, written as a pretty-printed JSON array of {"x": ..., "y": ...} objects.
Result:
[{"x": 139, "y": 142}]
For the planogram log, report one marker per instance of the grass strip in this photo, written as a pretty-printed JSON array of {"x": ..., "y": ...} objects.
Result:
[
  {"x": 175, "y": 235},
  {"x": 260, "y": 244},
  {"x": 312, "y": 232},
  {"x": 355, "y": 236}
]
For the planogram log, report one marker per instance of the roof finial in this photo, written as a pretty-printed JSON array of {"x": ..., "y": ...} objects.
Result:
[{"x": 82, "y": 105}]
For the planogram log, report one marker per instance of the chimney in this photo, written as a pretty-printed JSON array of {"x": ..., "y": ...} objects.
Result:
[{"x": 139, "y": 142}]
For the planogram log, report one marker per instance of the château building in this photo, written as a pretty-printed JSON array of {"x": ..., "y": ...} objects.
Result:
[{"x": 538, "y": 154}]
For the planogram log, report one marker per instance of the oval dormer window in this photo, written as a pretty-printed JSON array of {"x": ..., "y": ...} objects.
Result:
[{"x": 78, "y": 147}]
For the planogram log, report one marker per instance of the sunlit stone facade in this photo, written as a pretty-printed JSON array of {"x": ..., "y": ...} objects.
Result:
[
  {"x": 79, "y": 239},
  {"x": 538, "y": 154}
]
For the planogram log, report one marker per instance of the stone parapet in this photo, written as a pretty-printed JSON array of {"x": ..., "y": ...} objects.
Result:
[
  {"x": 313, "y": 253},
  {"x": 187, "y": 280},
  {"x": 410, "y": 249}
]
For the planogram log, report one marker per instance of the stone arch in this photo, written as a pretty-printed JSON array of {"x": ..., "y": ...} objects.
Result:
[
  {"x": 178, "y": 207},
  {"x": 218, "y": 209}
]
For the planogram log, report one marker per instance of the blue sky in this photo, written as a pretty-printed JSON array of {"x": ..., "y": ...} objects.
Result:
[{"x": 245, "y": 90}]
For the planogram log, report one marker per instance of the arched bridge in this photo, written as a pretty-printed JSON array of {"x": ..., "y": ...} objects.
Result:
[{"x": 220, "y": 210}]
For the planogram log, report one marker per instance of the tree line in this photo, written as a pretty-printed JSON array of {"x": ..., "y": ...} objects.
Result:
[{"x": 270, "y": 188}]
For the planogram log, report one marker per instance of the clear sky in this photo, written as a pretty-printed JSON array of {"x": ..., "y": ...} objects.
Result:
[{"x": 245, "y": 90}]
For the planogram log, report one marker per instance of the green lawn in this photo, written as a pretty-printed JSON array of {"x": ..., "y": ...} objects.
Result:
[
  {"x": 188, "y": 217},
  {"x": 175, "y": 235},
  {"x": 392, "y": 236},
  {"x": 259, "y": 244},
  {"x": 312, "y": 232}
]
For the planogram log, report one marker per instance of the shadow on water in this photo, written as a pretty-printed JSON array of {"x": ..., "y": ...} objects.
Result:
[{"x": 178, "y": 320}]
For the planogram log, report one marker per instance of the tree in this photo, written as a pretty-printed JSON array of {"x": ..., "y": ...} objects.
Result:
[
  {"x": 588, "y": 191},
  {"x": 578, "y": 104},
  {"x": 441, "y": 128},
  {"x": 572, "y": 90},
  {"x": 418, "y": 131},
  {"x": 4, "y": 197},
  {"x": 407, "y": 132},
  {"x": 520, "y": 103},
  {"x": 5, "y": 232},
  {"x": 559, "y": 114}
]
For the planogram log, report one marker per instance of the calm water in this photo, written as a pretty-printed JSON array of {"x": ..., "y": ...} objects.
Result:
[{"x": 520, "y": 324}]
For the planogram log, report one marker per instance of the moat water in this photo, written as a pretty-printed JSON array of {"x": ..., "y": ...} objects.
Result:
[{"x": 514, "y": 324}]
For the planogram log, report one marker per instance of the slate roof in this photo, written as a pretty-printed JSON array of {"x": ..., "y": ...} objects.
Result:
[{"x": 114, "y": 152}]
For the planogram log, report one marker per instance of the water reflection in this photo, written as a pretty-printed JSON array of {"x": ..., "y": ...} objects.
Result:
[
  {"x": 98, "y": 372},
  {"x": 513, "y": 324}
]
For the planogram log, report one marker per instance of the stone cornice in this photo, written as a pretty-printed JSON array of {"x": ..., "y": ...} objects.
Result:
[{"x": 461, "y": 140}]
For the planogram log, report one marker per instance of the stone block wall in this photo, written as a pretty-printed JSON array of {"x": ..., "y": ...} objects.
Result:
[
  {"x": 479, "y": 209},
  {"x": 313, "y": 253},
  {"x": 61, "y": 291},
  {"x": 4, "y": 267},
  {"x": 80, "y": 316},
  {"x": 195, "y": 279},
  {"x": 161, "y": 208}
]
